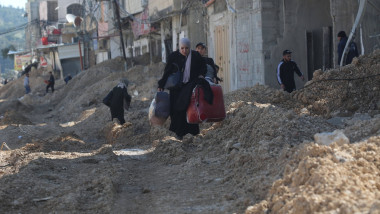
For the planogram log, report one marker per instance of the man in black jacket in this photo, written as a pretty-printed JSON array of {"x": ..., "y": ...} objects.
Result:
[
  {"x": 285, "y": 72},
  {"x": 51, "y": 83}
]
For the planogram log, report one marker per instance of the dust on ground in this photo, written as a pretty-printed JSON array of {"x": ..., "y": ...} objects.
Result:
[{"x": 66, "y": 155}]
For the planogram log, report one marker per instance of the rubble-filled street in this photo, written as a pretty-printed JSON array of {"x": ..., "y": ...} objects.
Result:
[{"x": 63, "y": 154}]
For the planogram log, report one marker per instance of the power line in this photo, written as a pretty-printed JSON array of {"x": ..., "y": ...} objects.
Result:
[{"x": 17, "y": 28}]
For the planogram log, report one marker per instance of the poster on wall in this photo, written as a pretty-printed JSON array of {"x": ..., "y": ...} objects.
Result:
[{"x": 21, "y": 60}]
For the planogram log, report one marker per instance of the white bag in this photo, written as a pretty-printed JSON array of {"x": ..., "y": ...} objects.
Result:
[{"x": 155, "y": 120}]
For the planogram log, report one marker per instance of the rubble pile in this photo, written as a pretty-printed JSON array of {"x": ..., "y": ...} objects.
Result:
[
  {"x": 71, "y": 157},
  {"x": 351, "y": 89},
  {"x": 321, "y": 178}
]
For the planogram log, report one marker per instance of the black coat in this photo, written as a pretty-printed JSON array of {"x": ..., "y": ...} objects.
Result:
[
  {"x": 285, "y": 74},
  {"x": 198, "y": 66},
  {"x": 51, "y": 79},
  {"x": 352, "y": 51},
  {"x": 117, "y": 101},
  {"x": 179, "y": 124}
]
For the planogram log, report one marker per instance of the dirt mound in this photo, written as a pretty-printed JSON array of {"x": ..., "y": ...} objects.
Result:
[
  {"x": 12, "y": 117},
  {"x": 14, "y": 105},
  {"x": 328, "y": 178},
  {"x": 341, "y": 92},
  {"x": 89, "y": 191}
]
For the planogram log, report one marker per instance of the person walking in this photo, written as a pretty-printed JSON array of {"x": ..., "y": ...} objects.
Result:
[
  {"x": 285, "y": 72},
  {"x": 352, "y": 48},
  {"x": 51, "y": 83},
  {"x": 68, "y": 78},
  {"x": 194, "y": 67},
  {"x": 119, "y": 100},
  {"x": 26, "y": 84},
  {"x": 212, "y": 71}
]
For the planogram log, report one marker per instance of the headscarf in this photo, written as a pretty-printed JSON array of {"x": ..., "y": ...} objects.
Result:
[
  {"x": 186, "y": 74},
  {"x": 123, "y": 83}
]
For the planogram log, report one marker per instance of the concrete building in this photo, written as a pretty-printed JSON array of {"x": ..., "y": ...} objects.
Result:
[
  {"x": 33, "y": 35},
  {"x": 178, "y": 19},
  {"x": 61, "y": 46},
  {"x": 247, "y": 37}
]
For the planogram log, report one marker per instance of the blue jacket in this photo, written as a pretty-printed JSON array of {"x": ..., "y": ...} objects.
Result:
[{"x": 352, "y": 51}]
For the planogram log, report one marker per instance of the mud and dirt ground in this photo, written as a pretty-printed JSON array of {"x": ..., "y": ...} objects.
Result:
[{"x": 66, "y": 156}]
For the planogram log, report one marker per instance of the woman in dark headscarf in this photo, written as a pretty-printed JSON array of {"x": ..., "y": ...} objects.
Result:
[
  {"x": 120, "y": 100},
  {"x": 193, "y": 66}
]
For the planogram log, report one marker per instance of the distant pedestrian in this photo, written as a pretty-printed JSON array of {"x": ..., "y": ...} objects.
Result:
[
  {"x": 118, "y": 100},
  {"x": 26, "y": 84},
  {"x": 352, "y": 49},
  {"x": 68, "y": 78},
  {"x": 285, "y": 72},
  {"x": 5, "y": 81},
  {"x": 51, "y": 83}
]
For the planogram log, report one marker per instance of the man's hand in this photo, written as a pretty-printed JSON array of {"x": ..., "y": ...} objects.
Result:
[
  {"x": 160, "y": 89},
  {"x": 302, "y": 78},
  {"x": 282, "y": 86}
]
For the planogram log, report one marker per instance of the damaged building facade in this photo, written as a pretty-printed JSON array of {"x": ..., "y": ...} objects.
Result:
[{"x": 245, "y": 38}]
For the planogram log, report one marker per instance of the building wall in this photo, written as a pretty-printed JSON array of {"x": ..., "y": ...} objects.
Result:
[
  {"x": 157, "y": 6},
  {"x": 47, "y": 11},
  {"x": 133, "y": 6},
  {"x": 261, "y": 30},
  {"x": 249, "y": 44},
  {"x": 371, "y": 27},
  {"x": 62, "y": 8},
  {"x": 284, "y": 26},
  {"x": 196, "y": 24},
  {"x": 33, "y": 31},
  {"x": 115, "y": 47},
  {"x": 344, "y": 14},
  {"x": 246, "y": 42}
]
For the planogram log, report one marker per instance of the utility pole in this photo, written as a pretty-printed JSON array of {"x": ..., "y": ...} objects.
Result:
[
  {"x": 117, "y": 12},
  {"x": 84, "y": 37}
]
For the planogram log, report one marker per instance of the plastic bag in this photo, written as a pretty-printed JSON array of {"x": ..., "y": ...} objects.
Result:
[
  {"x": 153, "y": 119},
  {"x": 159, "y": 109}
]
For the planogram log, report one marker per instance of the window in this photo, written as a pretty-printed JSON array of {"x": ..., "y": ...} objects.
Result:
[{"x": 75, "y": 9}]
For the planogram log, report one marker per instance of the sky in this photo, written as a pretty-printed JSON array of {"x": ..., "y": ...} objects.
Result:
[{"x": 14, "y": 3}]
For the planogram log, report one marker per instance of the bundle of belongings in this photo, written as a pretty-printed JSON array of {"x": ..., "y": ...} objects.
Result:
[
  {"x": 159, "y": 109},
  {"x": 200, "y": 110},
  {"x": 203, "y": 102}
]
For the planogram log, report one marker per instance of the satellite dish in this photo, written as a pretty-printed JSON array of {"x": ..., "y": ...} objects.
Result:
[
  {"x": 51, "y": 27},
  {"x": 70, "y": 18}
]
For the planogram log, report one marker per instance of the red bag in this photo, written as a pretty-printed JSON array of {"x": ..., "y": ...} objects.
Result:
[
  {"x": 44, "y": 40},
  {"x": 200, "y": 110}
]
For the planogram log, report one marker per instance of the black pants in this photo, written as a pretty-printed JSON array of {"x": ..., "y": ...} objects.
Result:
[{"x": 50, "y": 85}]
